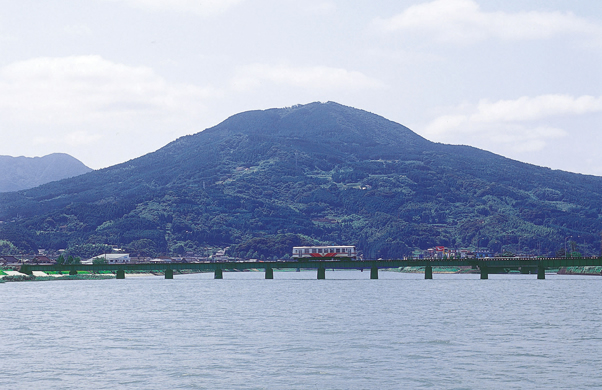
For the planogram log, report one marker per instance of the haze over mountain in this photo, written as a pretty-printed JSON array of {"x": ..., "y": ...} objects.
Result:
[
  {"x": 19, "y": 173},
  {"x": 262, "y": 181}
]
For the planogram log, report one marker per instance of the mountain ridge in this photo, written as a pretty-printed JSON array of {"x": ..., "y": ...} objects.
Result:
[
  {"x": 19, "y": 173},
  {"x": 280, "y": 173}
]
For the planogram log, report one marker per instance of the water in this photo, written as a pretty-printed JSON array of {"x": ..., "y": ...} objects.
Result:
[{"x": 295, "y": 332}]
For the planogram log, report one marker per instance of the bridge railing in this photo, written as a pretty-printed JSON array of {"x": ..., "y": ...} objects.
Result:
[{"x": 485, "y": 265}]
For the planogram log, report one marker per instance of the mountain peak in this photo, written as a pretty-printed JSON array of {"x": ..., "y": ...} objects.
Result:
[
  {"x": 322, "y": 172},
  {"x": 20, "y": 173},
  {"x": 331, "y": 125}
]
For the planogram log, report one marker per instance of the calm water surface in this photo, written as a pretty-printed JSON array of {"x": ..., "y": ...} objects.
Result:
[{"x": 295, "y": 332}]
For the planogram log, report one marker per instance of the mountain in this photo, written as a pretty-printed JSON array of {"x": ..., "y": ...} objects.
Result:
[
  {"x": 19, "y": 173},
  {"x": 262, "y": 181}
]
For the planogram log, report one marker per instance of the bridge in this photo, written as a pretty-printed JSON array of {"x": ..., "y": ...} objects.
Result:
[{"x": 486, "y": 266}]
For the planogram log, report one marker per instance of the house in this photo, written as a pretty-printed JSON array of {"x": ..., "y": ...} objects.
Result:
[
  {"x": 42, "y": 260},
  {"x": 9, "y": 260},
  {"x": 438, "y": 252},
  {"x": 220, "y": 255},
  {"x": 483, "y": 252}
]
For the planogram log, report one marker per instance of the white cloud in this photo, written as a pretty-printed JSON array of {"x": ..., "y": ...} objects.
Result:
[
  {"x": 199, "y": 7},
  {"x": 521, "y": 123},
  {"x": 99, "y": 110},
  {"x": 83, "y": 88},
  {"x": 73, "y": 139},
  {"x": 316, "y": 77},
  {"x": 462, "y": 21},
  {"x": 533, "y": 108},
  {"x": 78, "y": 138},
  {"x": 77, "y": 29},
  {"x": 86, "y": 105},
  {"x": 323, "y": 8}
]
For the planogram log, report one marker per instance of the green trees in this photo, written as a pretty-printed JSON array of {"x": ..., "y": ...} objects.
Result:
[
  {"x": 279, "y": 245},
  {"x": 7, "y": 248},
  {"x": 263, "y": 182},
  {"x": 99, "y": 260},
  {"x": 87, "y": 251},
  {"x": 69, "y": 260},
  {"x": 73, "y": 260},
  {"x": 143, "y": 247}
]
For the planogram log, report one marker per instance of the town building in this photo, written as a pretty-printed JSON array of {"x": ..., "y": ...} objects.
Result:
[{"x": 111, "y": 258}]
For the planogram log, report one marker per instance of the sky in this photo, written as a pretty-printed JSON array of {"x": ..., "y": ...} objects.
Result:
[{"x": 107, "y": 81}]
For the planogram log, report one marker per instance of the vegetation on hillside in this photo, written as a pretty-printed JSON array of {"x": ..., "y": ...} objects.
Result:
[{"x": 263, "y": 181}]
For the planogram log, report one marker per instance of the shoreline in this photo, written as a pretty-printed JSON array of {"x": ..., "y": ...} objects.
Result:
[
  {"x": 585, "y": 270},
  {"x": 34, "y": 278},
  {"x": 39, "y": 276},
  {"x": 7, "y": 276}
]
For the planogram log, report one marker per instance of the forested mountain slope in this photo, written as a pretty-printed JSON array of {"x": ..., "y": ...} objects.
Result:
[{"x": 320, "y": 172}]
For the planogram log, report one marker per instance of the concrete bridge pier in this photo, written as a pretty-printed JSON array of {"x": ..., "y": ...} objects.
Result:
[
  {"x": 25, "y": 270},
  {"x": 541, "y": 272},
  {"x": 219, "y": 274},
  {"x": 169, "y": 273},
  {"x": 321, "y": 273},
  {"x": 120, "y": 274},
  {"x": 484, "y": 272},
  {"x": 428, "y": 272},
  {"x": 269, "y": 273},
  {"x": 374, "y": 273}
]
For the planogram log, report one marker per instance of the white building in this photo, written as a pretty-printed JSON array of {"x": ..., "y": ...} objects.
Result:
[{"x": 111, "y": 258}]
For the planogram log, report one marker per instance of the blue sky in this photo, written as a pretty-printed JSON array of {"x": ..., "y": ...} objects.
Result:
[{"x": 110, "y": 80}]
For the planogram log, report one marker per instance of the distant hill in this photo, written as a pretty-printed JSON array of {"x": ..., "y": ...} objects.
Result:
[
  {"x": 262, "y": 181},
  {"x": 19, "y": 173}
]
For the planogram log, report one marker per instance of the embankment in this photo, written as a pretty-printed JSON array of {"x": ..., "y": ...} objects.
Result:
[{"x": 580, "y": 271}]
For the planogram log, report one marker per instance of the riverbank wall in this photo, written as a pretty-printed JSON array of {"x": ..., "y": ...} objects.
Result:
[{"x": 580, "y": 271}]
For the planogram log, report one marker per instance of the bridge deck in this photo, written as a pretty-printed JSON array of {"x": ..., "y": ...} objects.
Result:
[{"x": 486, "y": 266}]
